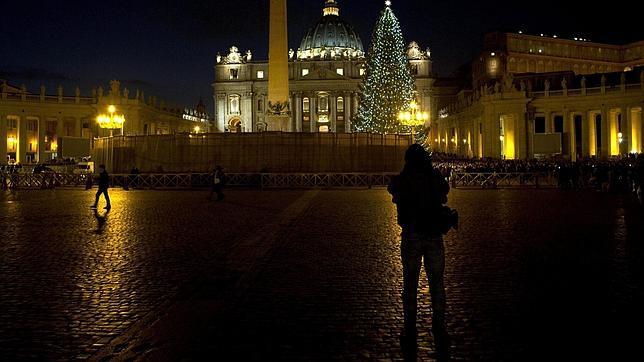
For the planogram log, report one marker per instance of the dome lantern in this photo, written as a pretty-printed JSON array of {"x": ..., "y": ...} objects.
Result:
[
  {"x": 331, "y": 38},
  {"x": 331, "y": 8}
]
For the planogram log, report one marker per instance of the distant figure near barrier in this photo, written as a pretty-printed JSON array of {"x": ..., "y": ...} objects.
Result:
[{"x": 103, "y": 185}]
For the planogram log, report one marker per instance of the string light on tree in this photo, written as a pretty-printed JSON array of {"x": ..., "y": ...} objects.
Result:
[{"x": 388, "y": 85}]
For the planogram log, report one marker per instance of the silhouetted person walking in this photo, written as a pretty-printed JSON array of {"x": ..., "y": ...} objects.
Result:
[
  {"x": 419, "y": 193},
  {"x": 103, "y": 185},
  {"x": 218, "y": 181}
]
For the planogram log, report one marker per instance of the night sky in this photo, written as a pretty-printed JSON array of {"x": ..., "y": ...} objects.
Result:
[{"x": 167, "y": 48}]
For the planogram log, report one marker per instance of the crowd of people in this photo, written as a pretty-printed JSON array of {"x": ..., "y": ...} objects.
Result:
[{"x": 618, "y": 174}]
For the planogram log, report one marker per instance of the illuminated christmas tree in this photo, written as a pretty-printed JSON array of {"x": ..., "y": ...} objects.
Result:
[{"x": 388, "y": 85}]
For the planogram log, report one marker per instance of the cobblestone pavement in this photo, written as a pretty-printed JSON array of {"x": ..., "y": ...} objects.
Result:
[{"x": 313, "y": 275}]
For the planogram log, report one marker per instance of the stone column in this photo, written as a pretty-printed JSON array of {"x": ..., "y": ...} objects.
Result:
[
  {"x": 313, "y": 104},
  {"x": 21, "y": 151},
  {"x": 348, "y": 101},
  {"x": 627, "y": 129},
  {"x": 221, "y": 112},
  {"x": 613, "y": 129},
  {"x": 247, "y": 111},
  {"x": 638, "y": 128},
  {"x": 520, "y": 137},
  {"x": 592, "y": 134},
  {"x": 42, "y": 127},
  {"x": 605, "y": 139},
  {"x": 585, "y": 134},
  {"x": 550, "y": 123},
  {"x": 333, "y": 100},
  {"x": 297, "y": 107},
  {"x": 572, "y": 144},
  {"x": 3, "y": 139}
]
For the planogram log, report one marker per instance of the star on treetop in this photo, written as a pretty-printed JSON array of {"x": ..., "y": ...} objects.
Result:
[{"x": 387, "y": 3}]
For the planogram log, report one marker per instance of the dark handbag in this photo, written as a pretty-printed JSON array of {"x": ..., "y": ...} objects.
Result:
[{"x": 447, "y": 219}]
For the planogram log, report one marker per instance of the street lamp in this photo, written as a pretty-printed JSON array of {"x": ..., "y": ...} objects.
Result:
[
  {"x": 111, "y": 120},
  {"x": 413, "y": 117}
]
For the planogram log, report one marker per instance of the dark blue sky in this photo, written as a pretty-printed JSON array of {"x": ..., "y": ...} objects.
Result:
[{"x": 167, "y": 48}]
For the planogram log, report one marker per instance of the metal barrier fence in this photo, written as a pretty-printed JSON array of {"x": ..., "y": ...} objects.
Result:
[
  {"x": 272, "y": 180},
  {"x": 196, "y": 180},
  {"x": 503, "y": 180}
]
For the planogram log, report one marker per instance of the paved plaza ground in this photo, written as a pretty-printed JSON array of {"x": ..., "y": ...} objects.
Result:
[{"x": 312, "y": 275}]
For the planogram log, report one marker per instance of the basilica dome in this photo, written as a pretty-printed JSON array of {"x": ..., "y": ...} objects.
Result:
[{"x": 331, "y": 38}]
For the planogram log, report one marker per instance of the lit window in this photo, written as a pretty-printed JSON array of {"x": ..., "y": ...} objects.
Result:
[
  {"x": 324, "y": 129},
  {"x": 306, "y": 105},
  {"x": 234, "y": 73},
  {"x": 260, "y": 74},
  {"x": 305, "y": 71},
  {"x": 340, "y": 104},
  {"x": 340, "y": 71}
]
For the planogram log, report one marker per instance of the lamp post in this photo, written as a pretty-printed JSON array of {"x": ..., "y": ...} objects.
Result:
[
  {"x": 111, "y": 120},
  {"x": 413, "y": 118}
]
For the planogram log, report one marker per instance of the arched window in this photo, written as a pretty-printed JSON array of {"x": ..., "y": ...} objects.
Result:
[
  {"x": 340, "y": 104},
  {"x": 306, "y": 105}
]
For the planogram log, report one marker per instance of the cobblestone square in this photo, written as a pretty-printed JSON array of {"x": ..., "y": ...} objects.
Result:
[{"x": 312, "y": 275}]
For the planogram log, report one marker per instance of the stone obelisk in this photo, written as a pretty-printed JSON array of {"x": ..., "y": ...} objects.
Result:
[{"x": 278, "y": 118}]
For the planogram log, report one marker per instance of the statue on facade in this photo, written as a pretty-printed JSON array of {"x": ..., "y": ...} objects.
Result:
[
  {"x": 496, "y": 87},
  {"x": 42, "y": 90},
  {"x": 291, "y": 53},
  {"x": 77, "y": 92},
  {"x": 508, "y": 83},
  {"x": 100, "y": 91},
  {"x": 522, "y": 86},
  {"x": 603, "y": 80},
  {"x": 126, "y": 93},
  {"x": 115, "y": 87},
  {"x": 218, "y": 58},
  {"x": 583, "y": 82},
  {"x": 622, "y": 78},
  {"x": 564, "y": 84},
  {"x": 546, "y": 85},
  {"x": 249, "y": 55},
  {"x": 60, "y": 90},
  {"x": 278, "y": 108}
]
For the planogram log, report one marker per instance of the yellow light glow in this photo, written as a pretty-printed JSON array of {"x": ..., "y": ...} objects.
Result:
[
  {"x": 111, "y": 121},
  {"x": 501, "y": 138},
  {"x": 11, "y": 139},
  {"x": 197, "y": 129},
  {"x": 413, "y": 117}
]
